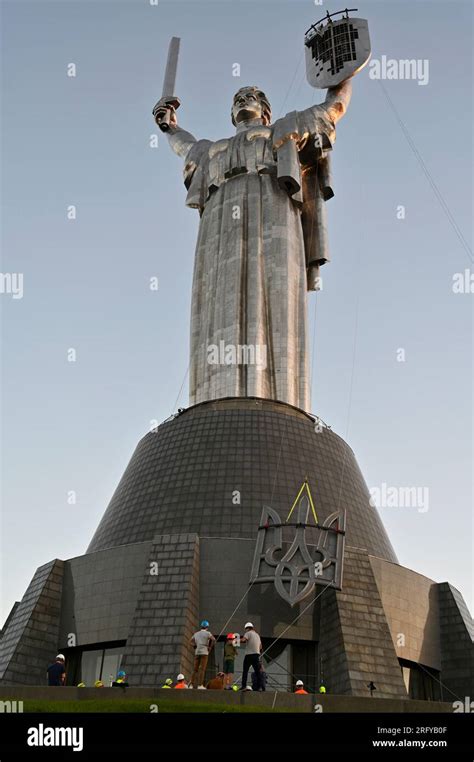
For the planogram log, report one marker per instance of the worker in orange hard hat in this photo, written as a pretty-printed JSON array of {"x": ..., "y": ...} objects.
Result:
[
  {"x": 181, "y": 681},
  {"x": 300, "y": 688}
]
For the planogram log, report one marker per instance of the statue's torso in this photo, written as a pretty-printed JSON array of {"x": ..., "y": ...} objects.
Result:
[
  {"x": 248, "y": 151},
  {"x": 249, "y": 283}
]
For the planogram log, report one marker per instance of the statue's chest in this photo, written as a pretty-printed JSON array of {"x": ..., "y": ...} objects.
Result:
[{"x": 248, "y": 151}]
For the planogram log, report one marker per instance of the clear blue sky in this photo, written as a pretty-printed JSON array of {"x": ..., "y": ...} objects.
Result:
[{"x": 85, "y": 141}]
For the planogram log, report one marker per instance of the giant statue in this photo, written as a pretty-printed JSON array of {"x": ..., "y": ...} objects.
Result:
[{"x": 262, "y": 235}]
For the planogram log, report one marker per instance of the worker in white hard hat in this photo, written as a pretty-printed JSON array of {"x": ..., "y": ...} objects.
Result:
[
  {"x": 56, "y": 673},
  {"x": 300, "y": 688},
  {"x": 181, "y": 681},
  {"x": 253, "y": 649}
]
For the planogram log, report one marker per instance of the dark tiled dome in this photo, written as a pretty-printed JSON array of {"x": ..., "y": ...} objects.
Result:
[{"x": 182, "y": 477}]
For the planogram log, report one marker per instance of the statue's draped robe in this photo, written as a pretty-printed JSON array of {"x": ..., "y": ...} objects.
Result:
[{"x": 250, "y": 282}]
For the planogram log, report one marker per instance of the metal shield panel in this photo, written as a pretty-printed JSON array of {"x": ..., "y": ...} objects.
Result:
[{"x": 336, "y": 51}]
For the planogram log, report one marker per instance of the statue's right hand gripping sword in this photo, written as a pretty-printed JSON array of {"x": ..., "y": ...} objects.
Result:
[{"x": 168, "y": 101}]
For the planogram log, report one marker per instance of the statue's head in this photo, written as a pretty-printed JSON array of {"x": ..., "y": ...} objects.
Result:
[{"x": 250, "y": 103}]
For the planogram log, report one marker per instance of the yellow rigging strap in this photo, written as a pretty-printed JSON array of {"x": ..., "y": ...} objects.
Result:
[{"x": 308, "y": 490}]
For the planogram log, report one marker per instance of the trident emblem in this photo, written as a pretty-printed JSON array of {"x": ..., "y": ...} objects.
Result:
[{"x": 296, "y": 573}]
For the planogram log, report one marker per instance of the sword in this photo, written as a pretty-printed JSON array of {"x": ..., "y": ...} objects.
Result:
[{"x": 168, "y": 100}]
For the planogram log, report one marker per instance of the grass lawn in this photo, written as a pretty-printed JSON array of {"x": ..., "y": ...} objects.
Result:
[{"x": 138, "y": 706}]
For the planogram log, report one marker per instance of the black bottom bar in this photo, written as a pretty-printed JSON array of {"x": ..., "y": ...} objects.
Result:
[{"x": 126, "y": 735}]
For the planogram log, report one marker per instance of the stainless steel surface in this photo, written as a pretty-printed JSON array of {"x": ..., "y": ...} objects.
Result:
[
  {"x": 262, "y": 239},
  {"x": 169, "y": 81},
  {"x": 164, "y": 111}
]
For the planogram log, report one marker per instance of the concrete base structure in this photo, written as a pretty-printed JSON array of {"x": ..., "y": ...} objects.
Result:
[{"x": 176, "y": 544}]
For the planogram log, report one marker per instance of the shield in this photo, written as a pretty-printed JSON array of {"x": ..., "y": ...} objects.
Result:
[{"x": 336, "y": 50}]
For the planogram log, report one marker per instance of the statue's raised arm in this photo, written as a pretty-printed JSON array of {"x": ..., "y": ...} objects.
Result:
[
  {"x": 180, "y": 140},
  {"x": 337, "y": 100},
  {"x": 187, "y": 147},
  {"x": 315, "y": 127},
  {"x": 335, "y": 50},
  {"x": 321, "y": 119}
]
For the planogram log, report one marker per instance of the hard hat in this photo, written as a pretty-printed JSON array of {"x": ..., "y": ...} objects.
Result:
[
  {"x": 180, "y": 677},
  {"x": 249, "y": 624},
  {"x": 168, "y": 681},
  {"x": 235, "y": 687},
  {"x": 81, "y": 685},
  {"x": 230, "y": 636},
  {"x": 204, "y": 623},
  {"x": 121, "y": 673},
  {"x": 98, "y": 684},
  {"x": 299, "y": 682},
  {"x": 60, "y": 656}
]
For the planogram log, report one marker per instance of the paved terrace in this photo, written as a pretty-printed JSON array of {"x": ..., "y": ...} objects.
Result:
[{"x": 269, "y": 699}]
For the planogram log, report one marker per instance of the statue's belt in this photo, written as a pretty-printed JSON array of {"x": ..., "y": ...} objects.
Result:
[{"x": 236, "y": 172}]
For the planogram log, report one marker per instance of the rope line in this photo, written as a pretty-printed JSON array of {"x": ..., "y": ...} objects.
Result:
[{"x": 427, "y": 174}]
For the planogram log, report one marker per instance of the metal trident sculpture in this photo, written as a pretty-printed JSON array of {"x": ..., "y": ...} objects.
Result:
[{"x": 295, "y": 567}]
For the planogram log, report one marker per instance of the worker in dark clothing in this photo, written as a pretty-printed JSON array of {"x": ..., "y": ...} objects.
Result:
[
  {"x": 259, "y": 679},
  {"x": 56, "y": 672},
  {"x": 252, "y": 656}
]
